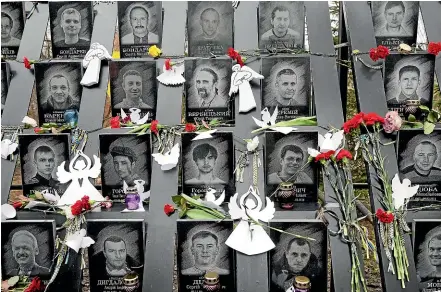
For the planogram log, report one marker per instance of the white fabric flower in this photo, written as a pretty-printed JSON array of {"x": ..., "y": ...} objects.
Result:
[
  {"x": 402, "y": 192},
  {"x": 29, "y": 121},
  {"x": 329, "y": 142}
]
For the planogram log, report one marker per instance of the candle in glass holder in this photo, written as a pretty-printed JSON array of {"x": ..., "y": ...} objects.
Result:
[
  {"x": 211, "y": 282},
  {"x": 132, "y": 198},
  {"x": 302, "y": 284}
]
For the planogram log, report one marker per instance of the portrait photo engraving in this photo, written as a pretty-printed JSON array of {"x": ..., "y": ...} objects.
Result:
[
  {"x": 285, "y": 156},
  {"x": 208, "y": 163},
  {"x": 71, "y": 28},
  {"x": 140, "y": 26},
  {"x": 58, "y": 90},
  {"x": 5, "y": 78},
  {"x": 201, "y": 248},
  {"x": 124, "y": 157},
  {"x": 287, "y": 85},
  {"x": 28, "y": 248},
  {"x": 40, "y": 155},
  {"x": 210, "y": 28},
  {"x": 295, "y": 256},
  {"x": 408, "y": 82},
  {"x": 206, "y": 90},
  {"x": 427, "y": 252},
  {"x": 281, "y": 24},
  {"x": 419, "y": 160},
  {"x": 395, "y": 22},
  {"x": 118, "y": 251},
  {"x": 133, "y": 85},
  {"x": 13, "y": 22}
]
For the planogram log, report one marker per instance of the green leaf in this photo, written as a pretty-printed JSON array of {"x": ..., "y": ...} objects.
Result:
[
  {"x": 176, "y": 199},
  {"x": 432, "y": 117},
  {"x": 182, "y": 213},
  {"x": 424, "y": 108},
  {"x": 213, "y": 122},
  {"x": 428, "y": 127},
  {"x": 411, "y": 118},
  {"x": 199, "y": 214},
  {"x": 417, "y": 125},
  {"x": 14, "y": 280},
  {"x": 191, "y": 200}
]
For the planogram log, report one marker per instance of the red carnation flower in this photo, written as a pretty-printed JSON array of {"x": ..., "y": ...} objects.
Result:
[
  {"x": 434, "y": 48},
  {"x": 232, "y": 53},
  {"x": 168, "y": 64},
  {"x": 35, "y": 286},
  {"x": 372, "y": 118},
  {"x": 373, "y": 54},
  {"x": 26, "y": 62},
  {"x": 154, "y": 127},
  {"x": 17, "y": 205},
  {"x": 380, "y": 52},
  {"x": 169, "y": 209},
  {"x": 239, "y": 61},
  {"x": 189, "y": 127},
  {"x": 126, "y": 119},
  {"x": 324, "y": 156},
  {"x": 353, "y": 123},
  {"x": 384, "y": 217},
  {"x": 85, "y": 202},
  {"x": 344, "y": 154},
  {"x": 77, "y": 208},
  {"x": 115, "y": 123},
  {"x": 38, "y": 130}
]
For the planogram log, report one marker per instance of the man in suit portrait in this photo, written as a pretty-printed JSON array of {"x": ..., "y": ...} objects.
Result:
[
  {"x": 132, "y": 85},
  {"x": 408, "y": 80},
  {"x": 205, "y": 156},
  {"x": 394, "y": 14},
  {"x": 280, "y": 31},
  {"x": 70, "y": 22},
  {"x": 423, "y": 169},
  {"x": 113, "y": 260},
  {"x": 204, "y": 249},
  {"x": 291, "y": 158},
  {"x": 286, "y": 88},
  {"x": 60, "y": 98},
  {"x": 139, "y": 21},
  {"x": 124, "y": 163},
  {"x": 7, "y": 25},
  {"x": 44, "y": 161},
  {"x": 207, "y": 89},
  {"x": 24, "y": 249}
]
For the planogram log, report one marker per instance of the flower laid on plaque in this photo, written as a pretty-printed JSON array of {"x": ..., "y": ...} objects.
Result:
[
  {"x": 140, "y": 26},
  {"x": 208, "y": 163},
  {"x": 287, "y": 85},
  {"x": 13, "y": 21},
  {"x": 71, "y": 26},
  {"x": 202, "y": 249},
  {"x": 419, "y": 160},
  {"x": 395, "y": 22},
  {"x": 40, "y": 155},
  {"x": 116, "y": 260},
  {"x": 210, "y": 28},
  {"x": 124, "y": 158},
  {"x": 133, "y": 86},
  {"x": 294, "y": 257},
  {"x": 427, "y": 253},
  {"x": 281, "y": 25},
  {"x": 28, "y": 247},
  {"x": 408, "y": 82},
  {"x": 5, "y": 78},
  {"x": 206, "y": 90},
  {"x": 290, "y": 179},
  {"x": 58, "y": 89}
]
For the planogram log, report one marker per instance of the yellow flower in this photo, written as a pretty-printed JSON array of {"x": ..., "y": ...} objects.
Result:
[{"x": 154, "y": 51}]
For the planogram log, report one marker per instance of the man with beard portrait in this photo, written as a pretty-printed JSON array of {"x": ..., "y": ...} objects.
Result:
[{"x": 207, "y": 89}]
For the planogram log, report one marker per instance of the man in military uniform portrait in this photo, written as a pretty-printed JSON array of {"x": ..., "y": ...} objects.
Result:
[
  {"x": 204, "y": 249},
  {"x": 70, "y": 22},
  {"x": 139, "y": 20},
  {"x": 408, "y": 81},
  {"x": 423, "y": 169},
  {"x": 291, "y": 160},
  {"x": 132, "y": 85},
  {"x": 124, "y": 163},
  {"x": 7, "y": 26},
  {"x": 44, "y": 161},
  {"x": 24, "y": 249},
  {"x": 205, "y": 156},
  {"x": 280, "y": 31},
  {"x": 207, "y": 89},
  {"x": 394, "y": 12},
  {"x": 60, "y": 98},
  {"x": 286, "y": 86}
]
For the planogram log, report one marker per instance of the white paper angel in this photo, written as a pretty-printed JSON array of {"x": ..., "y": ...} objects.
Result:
[
  {"x": 169, "y": 159},
  {"x": 204, "y": 135},
  {"x": 250, "y": 238},
  {"x": 329, "y": 142},
  {"x": 79, "y": 240},
  {"x": 252, "y": 144},
  {"x": 139, "y": 184},
  {"x": 8, "y": 148},
  {"x": 79, "y": 173},
  {"x": 270, "y": 120},
  {"x": 135, "y": 116},
  {"x": 211, "y": 197},
  {"x": 240, "y": 82},
  {"x": 173, "y": 76},
  {"x": 92, "y": 61},
  {"x": 402, "y": 192}
]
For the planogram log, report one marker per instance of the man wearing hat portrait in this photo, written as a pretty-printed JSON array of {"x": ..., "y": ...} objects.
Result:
[{"x": 124, "y": 163}]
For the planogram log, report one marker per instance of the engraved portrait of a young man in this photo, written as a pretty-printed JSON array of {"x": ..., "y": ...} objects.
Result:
[
  {"x": 280, "y": 31},
  {"x": 139, "y": 22},
  {"x": 44, "y": 160},
  {"x": 286, "y": 85},
  {"x": 124, "y": 163},
  {"x": 70, "y": 22},
  {"x": 113, "y": 260},
  {"x": 59, "y": 97},
  {"x": 408, "y": 81},
  {"x": 12, "y": 22},
  {"x": 394, "y": 12},
  {"x": 7, "y": 27},
  {"x": 132, "y": 85},
  {"x": 205, "y": 157}
]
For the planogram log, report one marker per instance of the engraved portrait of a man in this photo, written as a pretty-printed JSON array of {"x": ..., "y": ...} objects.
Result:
[
  {"x": 291, "y": 161},
  {"x": 70, "y": 22},
  {"x": 209, "y": 21},
  {"x": 205, "y": 249},
  {"x": 434, "y": 254},
  {"x": 24, "y": 250},
  {"x": 205, "y": 156},
  {"x": 132, "y": 85},
  {"x": 139, "y": 21},
  {"x": 44, "y": 161},
  {"x": 124, "y": 163},
  {"x": 394, "y": 12},
  {"x": 280, "y": 31},
  {"x": 59, "y": 95},
  {"x": 7, "y": 26},
  {"x": 408, "y": 82},
  {"x": 206, "y": 83},
  {"x": 286, "y": 85},
  {"x": 424, "y": 157}
]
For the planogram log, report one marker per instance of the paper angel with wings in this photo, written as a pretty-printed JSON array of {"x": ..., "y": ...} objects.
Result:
[
  {"x": 173, "y": 75},
  {"x": 80, "y": 169},
  {"x": 92, "y": 61},
  {"x": 247, "y": 237},
  {"x": 269, "y": 121},
  {"x": 135, "y": 116},
  {"x": 240, "y": 82}
]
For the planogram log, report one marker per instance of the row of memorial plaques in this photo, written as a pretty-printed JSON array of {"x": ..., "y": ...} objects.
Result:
[
  {"x": 210, "y": 163},
  {"x": 28, "y": 248}
]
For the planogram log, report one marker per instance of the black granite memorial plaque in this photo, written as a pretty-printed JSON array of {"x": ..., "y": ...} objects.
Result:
[
  {"x": 13, "y": 21},
  {"x": 5, "y": 78}
]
